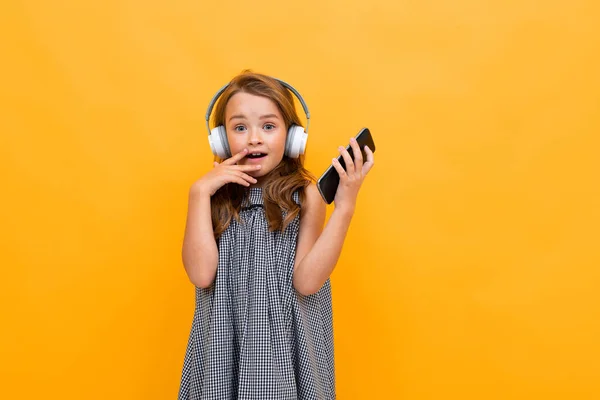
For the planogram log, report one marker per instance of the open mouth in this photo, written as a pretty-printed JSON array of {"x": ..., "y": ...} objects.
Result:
[{"x": 256, "y": 155}]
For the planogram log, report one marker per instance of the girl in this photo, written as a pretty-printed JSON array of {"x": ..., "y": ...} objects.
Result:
[{"x": 260, "y": 256}]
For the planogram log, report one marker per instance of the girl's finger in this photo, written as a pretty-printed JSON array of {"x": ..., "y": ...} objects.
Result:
[
  {"x": 241, "y": 175},
  {"x": 238, "y": 180},
  {"x": 338, "y": 167},
  {"x": 243, "y": 182},
  {"x": 348, "y": 160},
  {"x": 370, "y": 161},
  {"x": 246, "y": 167},
  {"x": 358, "y": 158},
  {"x": 236, "y": 158},
  {"x": 247, "y": 177}
]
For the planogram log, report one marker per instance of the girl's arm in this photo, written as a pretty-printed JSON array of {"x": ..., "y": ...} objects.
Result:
[
  {"x": 199, "y": 252},
  {"x": 319, "y": 248}
]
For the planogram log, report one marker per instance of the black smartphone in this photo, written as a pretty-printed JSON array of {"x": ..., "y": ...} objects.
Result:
[{"x": 329, "y": 181}]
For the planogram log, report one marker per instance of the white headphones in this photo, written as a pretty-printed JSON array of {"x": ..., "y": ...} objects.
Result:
[{"x": 295, "y": 142}]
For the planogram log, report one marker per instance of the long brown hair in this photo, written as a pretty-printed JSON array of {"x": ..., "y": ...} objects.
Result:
[{"x": 279, "y": 185}]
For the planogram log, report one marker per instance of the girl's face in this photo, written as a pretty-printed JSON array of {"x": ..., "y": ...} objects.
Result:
[{"x": 255, "y": 123}]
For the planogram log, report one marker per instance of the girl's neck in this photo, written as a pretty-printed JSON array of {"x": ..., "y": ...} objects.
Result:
[
  {"x": 258, "y": 184},
  {"x": 261, "y": 181}
]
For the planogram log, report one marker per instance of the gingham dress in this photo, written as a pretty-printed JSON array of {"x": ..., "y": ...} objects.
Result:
[{"x": 253, "y": 336}]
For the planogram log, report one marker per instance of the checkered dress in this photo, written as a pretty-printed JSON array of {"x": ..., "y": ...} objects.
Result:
[{"x": 253, "y": 336}]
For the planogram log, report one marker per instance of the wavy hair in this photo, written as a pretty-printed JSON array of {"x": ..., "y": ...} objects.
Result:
[{"x": 278, "y": 185}]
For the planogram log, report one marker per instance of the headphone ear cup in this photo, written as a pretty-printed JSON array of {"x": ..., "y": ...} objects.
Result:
[
  {"x": 295, "y": 143},
  {"x": 218, "y": 142}
]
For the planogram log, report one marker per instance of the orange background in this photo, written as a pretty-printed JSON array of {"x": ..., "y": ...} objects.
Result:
[{"x": 471, "y": 270}]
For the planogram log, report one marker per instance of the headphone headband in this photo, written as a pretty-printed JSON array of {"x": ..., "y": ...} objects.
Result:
[{"x": 286, "y": 85}]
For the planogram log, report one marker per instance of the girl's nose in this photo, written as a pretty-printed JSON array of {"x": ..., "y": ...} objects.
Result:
[{"x": 254, "y": 137}]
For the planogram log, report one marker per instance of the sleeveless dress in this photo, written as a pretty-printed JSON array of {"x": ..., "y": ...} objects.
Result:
[{"x": 253, "y": 336}]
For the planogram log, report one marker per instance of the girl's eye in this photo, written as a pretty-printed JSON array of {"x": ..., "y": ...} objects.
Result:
[
  {"x": 269, "y": 127},
  {"x": 239, "y": 128}
]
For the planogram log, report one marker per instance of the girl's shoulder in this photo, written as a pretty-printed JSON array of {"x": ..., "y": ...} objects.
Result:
[{"x": 313, "y": 202}]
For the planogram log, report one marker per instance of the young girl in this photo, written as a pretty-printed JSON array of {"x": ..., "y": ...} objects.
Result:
[{"x": 258, "y": 251}]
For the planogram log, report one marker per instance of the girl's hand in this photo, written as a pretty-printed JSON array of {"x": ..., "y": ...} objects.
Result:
[
  {"x": 352, "y": 178},
  {"x": 226, "y": 172}
]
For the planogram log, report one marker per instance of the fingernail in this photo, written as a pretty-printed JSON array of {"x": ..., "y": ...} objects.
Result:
[{"x": 352, "y": 139}]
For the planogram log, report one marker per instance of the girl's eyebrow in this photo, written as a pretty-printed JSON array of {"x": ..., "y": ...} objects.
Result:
[
  {"x": 268, "y": 116},
  {"x": 237, "y": 116},
  {"x": 241, "y": 116}
]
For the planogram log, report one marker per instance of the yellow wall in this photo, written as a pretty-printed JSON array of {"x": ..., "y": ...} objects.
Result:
[{"x": 471, "y": 270}]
